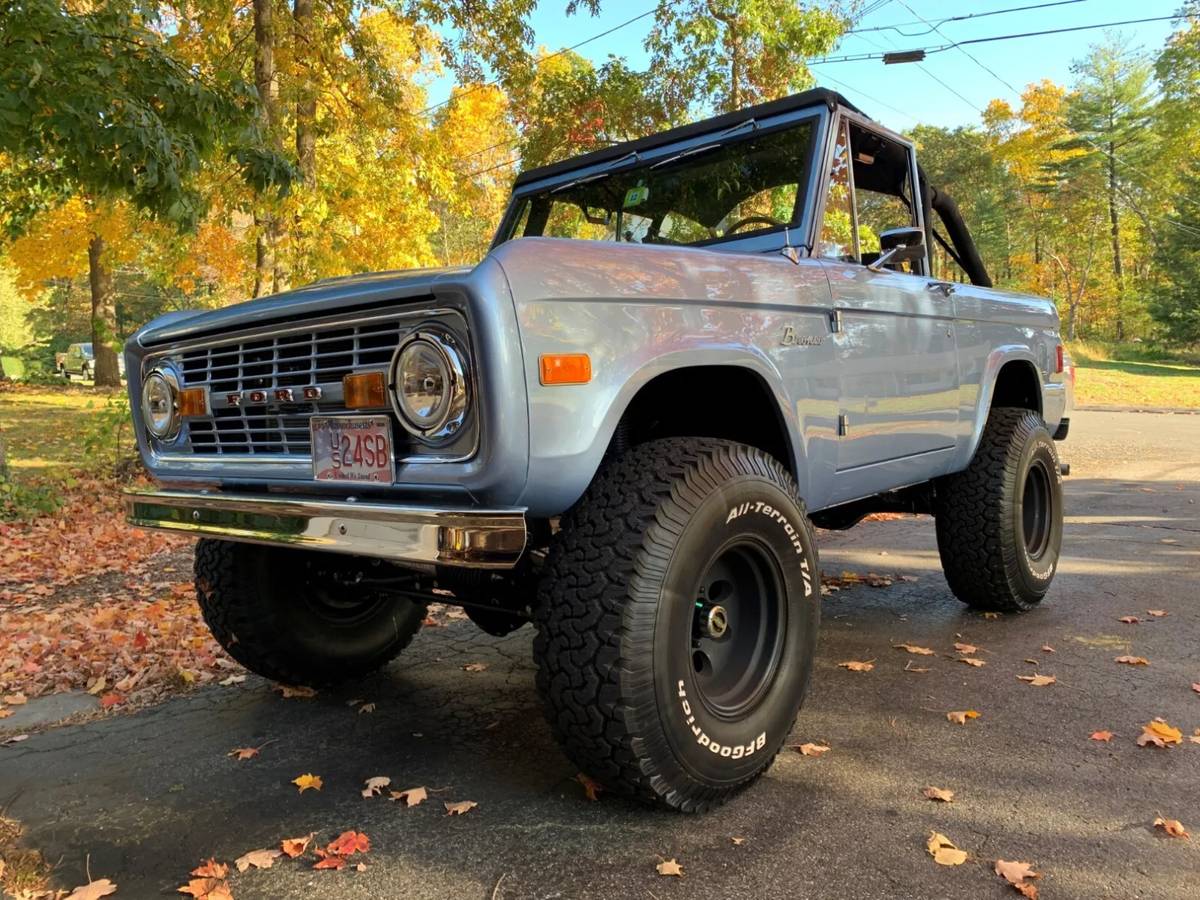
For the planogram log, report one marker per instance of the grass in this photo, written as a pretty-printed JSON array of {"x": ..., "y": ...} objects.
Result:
[
  {"x": 1130, "y": 375},
  {"x": 43, "y": 428}
]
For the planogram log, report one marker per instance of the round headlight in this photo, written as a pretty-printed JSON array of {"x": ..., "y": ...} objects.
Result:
[
  {"x": 429, "y": 386},
  {"x": 160, "y": 411}
]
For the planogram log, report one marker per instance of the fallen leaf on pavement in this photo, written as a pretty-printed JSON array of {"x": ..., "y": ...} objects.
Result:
[
  {"x": 348, "y": 843},
  {"x": 211, "y": 869},
  {"x": 940, "y": 794},
  {"x": 1157, "y": 613},
  {"x": 411, "y": 797},
  {"x": 670, "y": 867},
  {"x": 1046, "y": 648},
  {"x": 292, "y": 690},
  {"x": 1129, "y": 620},
  {"x": 1159, "y": 734},
  {"x": 1133, "y": 660},
  {"x": 294, "y": 847},
  {"x": 960, "y": 717},
  {"x": 968, "y": 649},
  {"x": 1101, "y": 736},
  {"x": 460, "y": 808},
  {"x": 855, "y": 666},
  {"x": 259, "y": 859},
  {"x": 207, "y": 889},
  {"x": 366, "y": 708},
  {"x": 916, "y": 670},
  {"x": 16, "y": 700},
  {"x": 373, "y": 787},
  {"x": 474, "y": 667},
  {"x": 330, "y": 862},
  {"x": 231, "y": 680},
  {"x": 1173, "y": 827},
  {"x": 1015, "y": 874},
  {"x": 243, "y": 752},
  {"x": 1038, "y": 680},
  {"x": 1195, "y": 737},
  {"x": 991, "y": 615},
  {"x": 811, "y": 749},
  {"x": 943, "y": 851},
  {"x": 913, "y": 648},
  {"x": 15, "y": 739},
  {"x": 93, "y": 890},
  {"x": 109, "y": 700},
  {"x": 977, "y": 663},
  {"x": 591, "y": 788},
  {"x": 304, "y": 782},
  {"x": 738, "y": 841},
  {"x": 1196, "y": 686}
]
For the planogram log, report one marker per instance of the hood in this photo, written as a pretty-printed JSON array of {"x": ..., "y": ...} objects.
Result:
[{"x": 327, "y": 295}]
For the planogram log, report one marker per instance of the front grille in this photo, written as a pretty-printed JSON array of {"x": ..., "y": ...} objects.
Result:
[{"x": 319, "y": 356}]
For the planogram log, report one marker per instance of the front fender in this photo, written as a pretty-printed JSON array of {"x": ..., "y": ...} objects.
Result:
[{"x": 996, "y": 360}]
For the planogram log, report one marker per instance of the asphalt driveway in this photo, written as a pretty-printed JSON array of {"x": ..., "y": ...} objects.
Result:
[{"x": 143, "y": 798}]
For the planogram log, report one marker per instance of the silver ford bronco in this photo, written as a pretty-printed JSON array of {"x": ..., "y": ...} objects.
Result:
[{"x": 681, "y": 354}]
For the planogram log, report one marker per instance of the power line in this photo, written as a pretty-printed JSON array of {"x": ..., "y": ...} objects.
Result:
[
  {"x": 941, "y": 48},
  {"x": 963, "y": 18}
]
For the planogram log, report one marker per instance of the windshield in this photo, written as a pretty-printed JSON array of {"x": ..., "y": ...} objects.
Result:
[{"x": 709, "y": 192}]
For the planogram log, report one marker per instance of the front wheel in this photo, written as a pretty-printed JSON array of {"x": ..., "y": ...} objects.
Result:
[
  {"x": 1000, "y": 521},
  {"x": 283, "y": 614},
  {"x": 677, "y": 621}
]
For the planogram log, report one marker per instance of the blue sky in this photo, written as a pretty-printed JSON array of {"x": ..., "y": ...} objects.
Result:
[{"x": 902, "y": 95}]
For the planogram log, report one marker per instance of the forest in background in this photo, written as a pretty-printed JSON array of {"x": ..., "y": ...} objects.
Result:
[{"x": 161, "y": 156}]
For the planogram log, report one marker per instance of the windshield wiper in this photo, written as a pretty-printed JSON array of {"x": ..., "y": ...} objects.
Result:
[
  {"x": 587, "y": 179},
  {"x": 685, "y": 153}
]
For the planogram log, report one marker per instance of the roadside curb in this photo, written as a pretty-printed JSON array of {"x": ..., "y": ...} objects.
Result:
[{"x": 1158, "y": 410}]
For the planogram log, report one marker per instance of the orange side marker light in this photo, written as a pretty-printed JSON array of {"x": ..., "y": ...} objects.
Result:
[
  {"x": 365, "y": 391},
  {"x": 565, "y": 368},
  {"x": 193, "y": 402}
]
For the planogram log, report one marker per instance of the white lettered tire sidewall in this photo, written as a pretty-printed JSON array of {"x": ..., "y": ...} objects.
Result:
[{"x": 710, "y": 749}]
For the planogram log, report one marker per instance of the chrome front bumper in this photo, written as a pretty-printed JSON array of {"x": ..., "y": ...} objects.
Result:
[{"x": 481, "y": 539}]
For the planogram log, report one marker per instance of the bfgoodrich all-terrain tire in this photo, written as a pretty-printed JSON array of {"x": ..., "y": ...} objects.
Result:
[
  {"x": 677, "y": 621},
  {"x": 274, "y": 612},
  {"x": 999, "y": 522}
]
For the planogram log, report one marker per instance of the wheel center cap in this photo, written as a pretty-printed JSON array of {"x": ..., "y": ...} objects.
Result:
[{"x": 714, "y": 622}]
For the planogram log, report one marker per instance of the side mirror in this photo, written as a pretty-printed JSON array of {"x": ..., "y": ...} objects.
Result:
[{"x": 897, "y": 245}]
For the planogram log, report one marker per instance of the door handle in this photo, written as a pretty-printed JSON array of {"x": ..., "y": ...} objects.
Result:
[{"x": 945, "y": 288}]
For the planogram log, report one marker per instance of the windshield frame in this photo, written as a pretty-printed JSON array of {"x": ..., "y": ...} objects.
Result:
[{"x": 798, "y": 233}]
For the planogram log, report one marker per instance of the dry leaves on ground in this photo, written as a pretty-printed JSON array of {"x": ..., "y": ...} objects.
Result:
[
  {"x": 1015, "y": 874},
  {"x": 1046, "y": 648},
  {"x": 971, "y": 661},
  {"x": 966, "y": 649},
  {"x": 336, "y": 852},
  {"x": 1133, "y": 660},
  {"x": 959, "y": 717},
  {"x": 308, "y": 781},
  {"x": 1159, "y": 734},
  {"x": 943, "y": 851},
  {"x": 241, "y": 753},
  {"x": 207, "y": 889},
  {"x": 912, "y": 648},
  {"x": 295, "y": 691},
  {"x": 211, "y": 869},
  {"x": 811, "y": 749},
  {"x": 373, "y": 787},
  {"x": 1196, "y": 686},
  {"x": 670, "y": 868},
  {"x": 294, "y": 847},
  {"x": 1173, "y": 827},
  {"x": 474, "y": 667},
  {"x": 411, "y": 797},
  {"x": 939, "y": 794},
  {"x": 1157, "y": 613},
  {"x": 1101, "y": 736},
  {"x": 259, "y": 859},
  {"x": 462, "y": 807},
  {"x": 1038, "y": 680},
  {"x": 591, "y": 788},
  {"x": 856, "y": 666},
  {"x": 1129, "y": 620},
  {"x": 93, "y": 890}
]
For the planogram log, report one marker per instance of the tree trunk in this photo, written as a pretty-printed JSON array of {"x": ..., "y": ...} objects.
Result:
[
  {"x": 1115, "y": 232},
  {"x": 266, "y": 274},
  {"x": 306, "y": 104},
  {"x": 104, "y": 317}
]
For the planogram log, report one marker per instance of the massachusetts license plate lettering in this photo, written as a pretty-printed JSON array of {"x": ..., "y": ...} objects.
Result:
[{"x": 352, "y": 448}]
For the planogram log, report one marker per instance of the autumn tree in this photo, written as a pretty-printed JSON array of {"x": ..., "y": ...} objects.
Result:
[
  {"x": 726, "y": 54},
  {"x": 96, "y": 108}
]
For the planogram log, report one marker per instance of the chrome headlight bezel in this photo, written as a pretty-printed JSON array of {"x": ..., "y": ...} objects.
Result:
[
  {"x": 166, "y": 376},
  {"x": 446, "y": 422}
]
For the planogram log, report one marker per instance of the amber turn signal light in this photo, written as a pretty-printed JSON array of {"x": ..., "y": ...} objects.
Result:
[
  {"x": 193, "y": 402},
  {"x": 565, "y": 368},
  {"x": 366, "y": 391}
]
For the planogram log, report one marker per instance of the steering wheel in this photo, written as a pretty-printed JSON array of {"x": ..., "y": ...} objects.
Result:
[{"x": 753, "y": 220}]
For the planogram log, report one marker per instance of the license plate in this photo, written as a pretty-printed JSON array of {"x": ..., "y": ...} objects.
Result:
[{"x": 352, "y": 448}]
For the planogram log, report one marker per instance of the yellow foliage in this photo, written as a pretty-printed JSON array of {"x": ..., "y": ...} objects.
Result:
[{"x": 56, "y": 245}]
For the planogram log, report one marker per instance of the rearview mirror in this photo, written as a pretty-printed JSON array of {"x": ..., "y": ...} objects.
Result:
[{"x": 897, "y": 245}]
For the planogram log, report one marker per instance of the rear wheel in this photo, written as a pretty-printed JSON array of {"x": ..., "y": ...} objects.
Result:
[
  {"x": 999, "y": 522},
  {"x": 283, "y": 614},
  {"x": 677, "y": 621}
]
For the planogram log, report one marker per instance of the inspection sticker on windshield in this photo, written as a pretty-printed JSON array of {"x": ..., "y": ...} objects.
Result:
[
  {"x": 352, "y": 448},
  {"x": 636, "y": 196}
]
